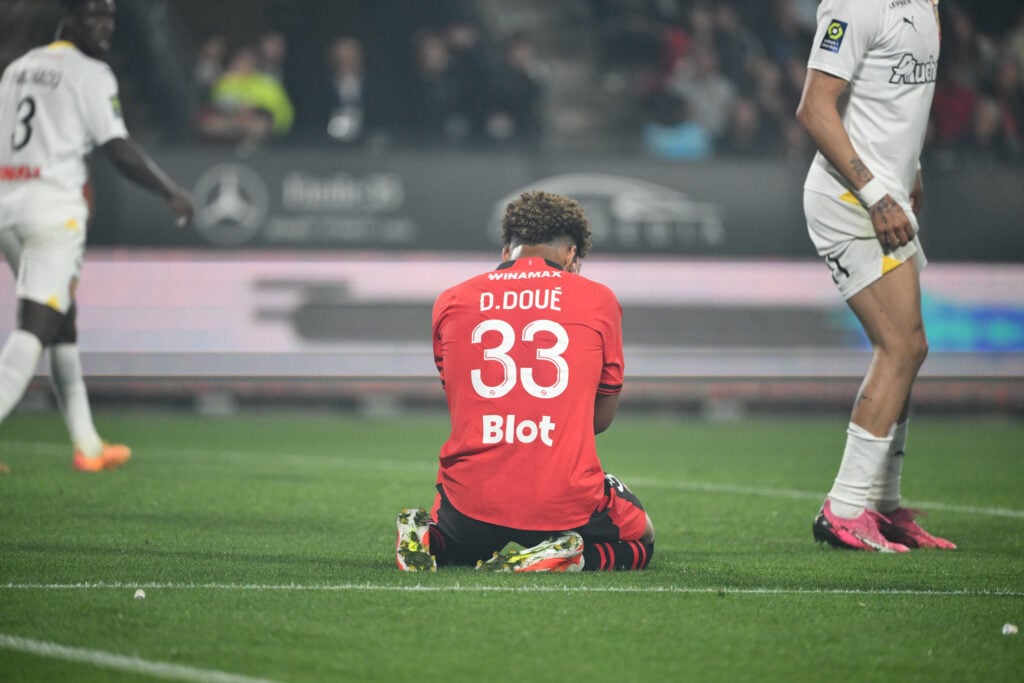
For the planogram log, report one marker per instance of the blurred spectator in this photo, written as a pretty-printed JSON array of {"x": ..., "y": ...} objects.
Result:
[
  {"x": 1015, "y": 41},
  {"x": 436, "y": 113},
  {"x": 805, "y": 14},
  {"x": 786, "y": 39},
  {"x": 516, "y": 112},
  {"x": 210, "y": 64},
  {"x": 1000, "y": 122},
  {"x": 631, "y": 33},
  {"x": 702, "y": 24},
  {"x": 345, "y": 107},
  {"x": 749, "y": 134},
  {"x": 972, "y": 54},
  {"x": 735, "y": 69},
  {"x": 273, "y": 53},
  {"x": 472, "y": 71},
  {"x": 711, "y": 95},
  {"x": 954, "y": 108},
  {"x": 672, "y": 132},
  {"x": 737, "y": 46},
  {"x": 246, "y": 104}
]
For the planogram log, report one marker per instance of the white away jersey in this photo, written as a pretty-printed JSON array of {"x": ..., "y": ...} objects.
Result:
[
  {"x": 888, "y": 51},
  {"x": 56, "y": 105}
]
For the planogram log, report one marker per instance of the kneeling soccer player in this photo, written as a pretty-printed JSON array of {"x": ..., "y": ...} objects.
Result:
[{"x": 530, "y": 357}]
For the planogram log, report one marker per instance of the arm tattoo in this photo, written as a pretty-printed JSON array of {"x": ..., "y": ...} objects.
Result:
[{"x": 860, "y": 169}]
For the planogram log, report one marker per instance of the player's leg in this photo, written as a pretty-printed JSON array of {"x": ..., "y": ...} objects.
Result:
[
  {"x": 620, "y": 533},
  {"x": 867, "y": 486},
  {"x": 20, "y": 354},
  {"x": 454, "y": 539},
  {"x": 459, "y": 540},
  {"x": 444, "y": 537},
  {"x": 897, "y": 523},
  {"x": 68, "y": 382},
  {"x": 882, "y": 289},
  {"x": 884, "y": 495},
  {"x": 889, "y": 310},
  {"x": 47, "y": 249},
  {"x": 618, "y": 536}
]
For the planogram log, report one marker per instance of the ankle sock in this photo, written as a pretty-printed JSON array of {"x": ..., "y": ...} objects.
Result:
[{"x": 863, "y": 459}]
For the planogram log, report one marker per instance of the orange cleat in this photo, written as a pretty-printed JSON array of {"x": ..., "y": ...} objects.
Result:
[{"x": 112, "y": 456}]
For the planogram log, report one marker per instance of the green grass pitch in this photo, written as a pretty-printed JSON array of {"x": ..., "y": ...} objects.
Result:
[{"x": 265, "y": 546}]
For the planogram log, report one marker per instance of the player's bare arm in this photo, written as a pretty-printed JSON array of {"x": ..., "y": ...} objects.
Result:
[
  {"x": 818, "y": 113},
  {"x": 138, "y": 166},
  {"x": 605, "y": 406}
]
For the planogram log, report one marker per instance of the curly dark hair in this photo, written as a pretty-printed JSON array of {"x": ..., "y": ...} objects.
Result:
[{"x": 543, "y": 218}]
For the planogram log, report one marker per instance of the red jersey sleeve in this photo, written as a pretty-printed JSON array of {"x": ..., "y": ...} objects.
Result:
[{"x": 614, "y": 364}]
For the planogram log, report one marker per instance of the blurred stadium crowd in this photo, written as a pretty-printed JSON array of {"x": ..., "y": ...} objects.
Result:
[
  {"x": 677, "y": 79},
  {"x": 458, "y": 92},
  {"x": 717, "y": 79},
  {"x": 705, "y": 79}
]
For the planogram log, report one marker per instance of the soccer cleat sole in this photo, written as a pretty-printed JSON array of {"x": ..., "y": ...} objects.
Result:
[{"x": 412, "y": 550}]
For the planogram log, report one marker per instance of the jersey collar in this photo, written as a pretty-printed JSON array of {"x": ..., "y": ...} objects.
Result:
[{"x": 509, "y": 264}]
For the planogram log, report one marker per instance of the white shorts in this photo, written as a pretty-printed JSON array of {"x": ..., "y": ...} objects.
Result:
[
  {"x": 42, "y": 235},
  {"x": 843, "y": 235}
]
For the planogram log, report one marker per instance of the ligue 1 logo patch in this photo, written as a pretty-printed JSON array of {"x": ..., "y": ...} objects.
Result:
[{"x": 833, "y": 36}]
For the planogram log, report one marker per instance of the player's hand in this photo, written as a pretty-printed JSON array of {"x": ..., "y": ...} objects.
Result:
[
  {"x": 892, "y": 225},
  {"x": 181, "y": 205}
]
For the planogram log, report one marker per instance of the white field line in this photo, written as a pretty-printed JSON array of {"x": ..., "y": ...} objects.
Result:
[
  {"x": 343, "y": 462},
  {"x": 110, "y": 660},
  {"x": 530, "y": 588},
  {"x": 739, "y": 490}
]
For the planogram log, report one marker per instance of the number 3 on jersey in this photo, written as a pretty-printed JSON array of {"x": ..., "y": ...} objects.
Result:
[
  {"x": 499, "y": 354},
  {"x": 23, "y": 133}
]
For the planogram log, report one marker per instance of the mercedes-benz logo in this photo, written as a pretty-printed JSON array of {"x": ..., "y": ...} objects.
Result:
[{"x": 232, "y": 204}]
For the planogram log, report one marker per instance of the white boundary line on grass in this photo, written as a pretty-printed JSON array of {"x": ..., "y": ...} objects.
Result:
[
  {"x": 109, "y": 660},
  {"x": 532, "y": 588},
  {"x": 738, "y": 489},
  {"x": 37, "y": 448}
]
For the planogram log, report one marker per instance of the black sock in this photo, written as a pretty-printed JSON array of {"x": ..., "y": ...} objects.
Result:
[{"x": 617, "y": 555}]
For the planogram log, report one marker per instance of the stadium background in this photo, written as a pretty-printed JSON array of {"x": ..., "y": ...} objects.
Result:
[{"x": 309, "y": 275}]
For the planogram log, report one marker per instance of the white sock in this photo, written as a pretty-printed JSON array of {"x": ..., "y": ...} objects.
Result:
[
  {"x": 69, "y": 385},
  {"x": 884, "y": 495},
  {"x": 18, "y": 362},
  {"x": 862, "y": 459}
]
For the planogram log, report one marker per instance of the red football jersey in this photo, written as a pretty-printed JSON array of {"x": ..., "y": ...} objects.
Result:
[{"x": 523, "y": 352}]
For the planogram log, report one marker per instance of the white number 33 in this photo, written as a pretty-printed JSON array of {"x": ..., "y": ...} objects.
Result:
[{"x": 499, "y": 354}]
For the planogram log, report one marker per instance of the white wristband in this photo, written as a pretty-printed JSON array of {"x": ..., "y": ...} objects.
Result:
[{"x": 871, "y": 193}]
